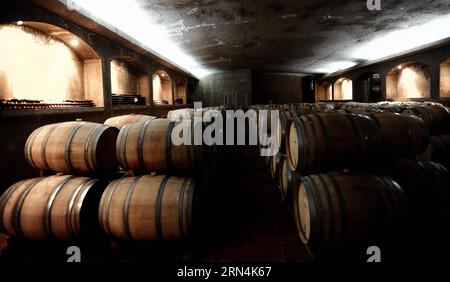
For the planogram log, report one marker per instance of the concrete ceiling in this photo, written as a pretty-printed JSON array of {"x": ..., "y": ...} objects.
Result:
[{"x": 281, "y": 35}]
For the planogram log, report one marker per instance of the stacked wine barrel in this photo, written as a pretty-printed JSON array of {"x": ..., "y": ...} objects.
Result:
[
  {"x": 132, "y": 184},
  {"x": 158, "y": 201},
  {"x": 62, "y": 206},
  {"x": 354, "y": 179}
]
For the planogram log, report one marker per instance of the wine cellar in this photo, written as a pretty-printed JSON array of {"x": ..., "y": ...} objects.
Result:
[{"x": 204, "y": 132}]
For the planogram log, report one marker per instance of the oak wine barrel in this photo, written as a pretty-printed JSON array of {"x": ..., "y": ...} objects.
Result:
[
  {"x": 56, "y": 207},
  {"x": 120, "y": 121},
  {"x": 148, "y": 208},
  {"x": 73, "y": 148},
  {"x": 322, "y": 141},
  {"x": 148, "y": 147},
  {"x": 401, "y": 135},
  {"x": 426, "y": 184},
  {"x": 437, "y": 118},
  {"x": 334, "y": 210}
]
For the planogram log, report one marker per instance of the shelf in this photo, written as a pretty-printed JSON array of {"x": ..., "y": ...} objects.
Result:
[{"x": 48, "y": 112}]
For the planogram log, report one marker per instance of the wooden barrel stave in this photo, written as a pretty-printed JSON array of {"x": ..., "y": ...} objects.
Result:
[
  {"x": 56, "y": 207},
  {"x": 148, "y": 147},
  {"x": 73, "y": 148},
  {"x": 148, "y": 208},
  {"x": 336, "y": 209}
]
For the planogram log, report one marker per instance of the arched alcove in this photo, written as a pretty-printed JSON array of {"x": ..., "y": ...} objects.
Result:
[
  {"x": 130, "y": 83},
  {"x": 445, "y": 78},
  {"x": 324, "y": 91},
  {"x": 343, "y": 89},
  {"x": 408, "y": 81},
  {"x": 368, "y": 87},
  {"x": 44, "y": 64},
  {"x": 162, "y": 88}
]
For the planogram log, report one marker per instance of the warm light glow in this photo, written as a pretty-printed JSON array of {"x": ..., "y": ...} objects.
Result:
[
  {"x": 343, "y": 89},
  {"x": 410, "y": 82},
  {"x": 333, "y": 66},
  {"x": 399, "y": 67},
  {"x": 35, "y": 66},
  {"x": 163, "y": 75},
  {"x": 162, "y": 89},
  {"x": 445, "y": 79},
  {"x": 20, "y": 23},
  {"x": 402, "y": 40},
  {"x": 74, "y": 42},
  {"x": 129, "y": 18}
]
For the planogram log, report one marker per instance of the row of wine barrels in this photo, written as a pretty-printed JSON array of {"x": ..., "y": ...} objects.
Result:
[
  {"x": 401, "y": 135},
  {"x": 73, "y": 148},
  {"x": 336, "y": 209},
  {"x": 426, "y": 184},
  {"x": 56, "y": 207},
  {"x": 440, "y": 149},
  {"x": 148, "y": 208},
  {"x": 437, "y": 118},
  {"x": 120, "y": 121},
  {"x": 323, "y": 141},
  {"x": 149, "y": 147}
]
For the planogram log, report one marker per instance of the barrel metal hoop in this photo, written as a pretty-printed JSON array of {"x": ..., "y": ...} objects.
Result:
[
  {"x": 190, "y": 205},
  {"x": 68, "y": 145},
  {"x": 107, "y": 206},
  {"x": 181, "y": 208},
  {"x": 301, "y": 131},
  {"x": 159, "y": 199},
  {"x": 313, "y": 212},
  {"x": 123, "y": 157},
  {"x": 49, "y": 206},
  {"x": 19, "y": 204},
  {"x": 331, "y": 211},
  {"x": 86, "y": 150},
  {"x": 315, "y": 138},
  {"x": 357, "y": 131},
  {"x": 169, "y": 161},
  {"x": 44, "y": 146},
  {"x": 29, "y": 147},
  {"x": 326, "y": 138},
  {"x": 76, "y": 211},
  {"x": 141, "y": 143},
  {"x": 126, "y": 208},
  {"x": 385, "y": 199},
  {"x": 70, "y": 207},
  {"x": 4, "y": 200},
  {"x": 342, "y": 206},
  {"x": 95, "y": 144}
]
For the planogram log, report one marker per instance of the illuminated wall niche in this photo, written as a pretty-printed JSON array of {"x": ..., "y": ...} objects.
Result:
[
  {"x": 343, "y": 89},
  {"x": 162, "y": 88},
  {"x": 40, "y": 61},
  {"x": 408, "y": 81},
  {"x": 324, "y": 92},
  {"x": 129, "y": 77},
  {"x": 445, "y": 79}
]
